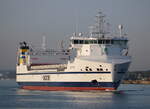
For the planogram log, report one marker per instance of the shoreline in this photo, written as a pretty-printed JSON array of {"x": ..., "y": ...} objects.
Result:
[{"x": 136, "y": 82}]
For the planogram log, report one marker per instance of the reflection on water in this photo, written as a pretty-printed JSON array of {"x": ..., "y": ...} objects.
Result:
[{"x": 127, "y": 97}]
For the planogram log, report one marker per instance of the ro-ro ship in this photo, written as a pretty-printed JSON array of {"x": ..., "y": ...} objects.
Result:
[{"x": 94, "y": 61}]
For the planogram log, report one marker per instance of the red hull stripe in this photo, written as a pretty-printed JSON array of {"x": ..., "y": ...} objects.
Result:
[{"x": 46, "y": 88}]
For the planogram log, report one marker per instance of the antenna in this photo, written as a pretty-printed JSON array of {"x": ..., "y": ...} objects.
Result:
[
  {"x": 77, "y": 22},
  {"x": 62, "y": 44},
  {"x": 44, "y": 42},
  {"x": 99, "y": 27},
  {"x": 120, "y": 27},
  {"x": 91, "y": 29},
  {"x": 107, "y": 27},
  {"x": 100, "y": 23}
]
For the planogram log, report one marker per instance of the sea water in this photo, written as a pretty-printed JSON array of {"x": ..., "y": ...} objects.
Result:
[{"x": 126, "y": 97}]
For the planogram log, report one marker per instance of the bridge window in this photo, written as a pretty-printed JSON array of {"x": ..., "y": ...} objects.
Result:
[
  {"x": 99, "y": 41},
  {"x": 107, "y": 41},
  {"x": 80, "y": 41},
  {"x": 75, "y": 41},
  {"x": 91, "y": 41},
  {"x": 86, "y": 42},
  {"x": 104, "y": 41},
  {"x": 95, "y": 41}
]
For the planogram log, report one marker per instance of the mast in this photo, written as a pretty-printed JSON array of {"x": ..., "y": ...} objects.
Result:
[
  {"x": 44, "y": 42},
  {"x": 100, "y": 23},
  {"x": 98, "y": 29},
  {"x": 120, "y": 27}
]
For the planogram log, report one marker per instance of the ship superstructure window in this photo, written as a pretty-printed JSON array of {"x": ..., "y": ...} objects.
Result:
[
  {"x": 108, "y": 41},
  {"x": 95, "y": 41},
  {"x": 98, "y": 41},
  {"x": 86, "y": 42},
  {"x": 80, "y": 41},
  {"x": 91, "y": 41},
  {"x": 104, "y": 41},
  {"x": 75, "y": 41}
]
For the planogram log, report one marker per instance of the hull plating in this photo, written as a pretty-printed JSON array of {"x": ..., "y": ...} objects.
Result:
[
  {"x": 68, "y": 85},
  {"x": 47, "y": 88}
]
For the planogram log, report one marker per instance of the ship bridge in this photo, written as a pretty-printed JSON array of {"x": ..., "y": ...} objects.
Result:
[
  {"x": 98, "y": 42},
  {"x": 107, "y": 46}
]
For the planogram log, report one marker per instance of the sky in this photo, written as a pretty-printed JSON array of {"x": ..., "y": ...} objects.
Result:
[{"x": 29, "y": 20}]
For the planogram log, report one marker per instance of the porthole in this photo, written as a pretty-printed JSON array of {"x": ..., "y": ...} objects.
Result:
[
  {"x": 90, "y": 69},
  {"x": 86, "y": 69},
  {"x": 101, "y": 69},
  {"x": 94, "y": 81},
  {"x": 97, "y": 69},
  {"x": 100, "y": 65},
  {"x": 106, "y": 69}
]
